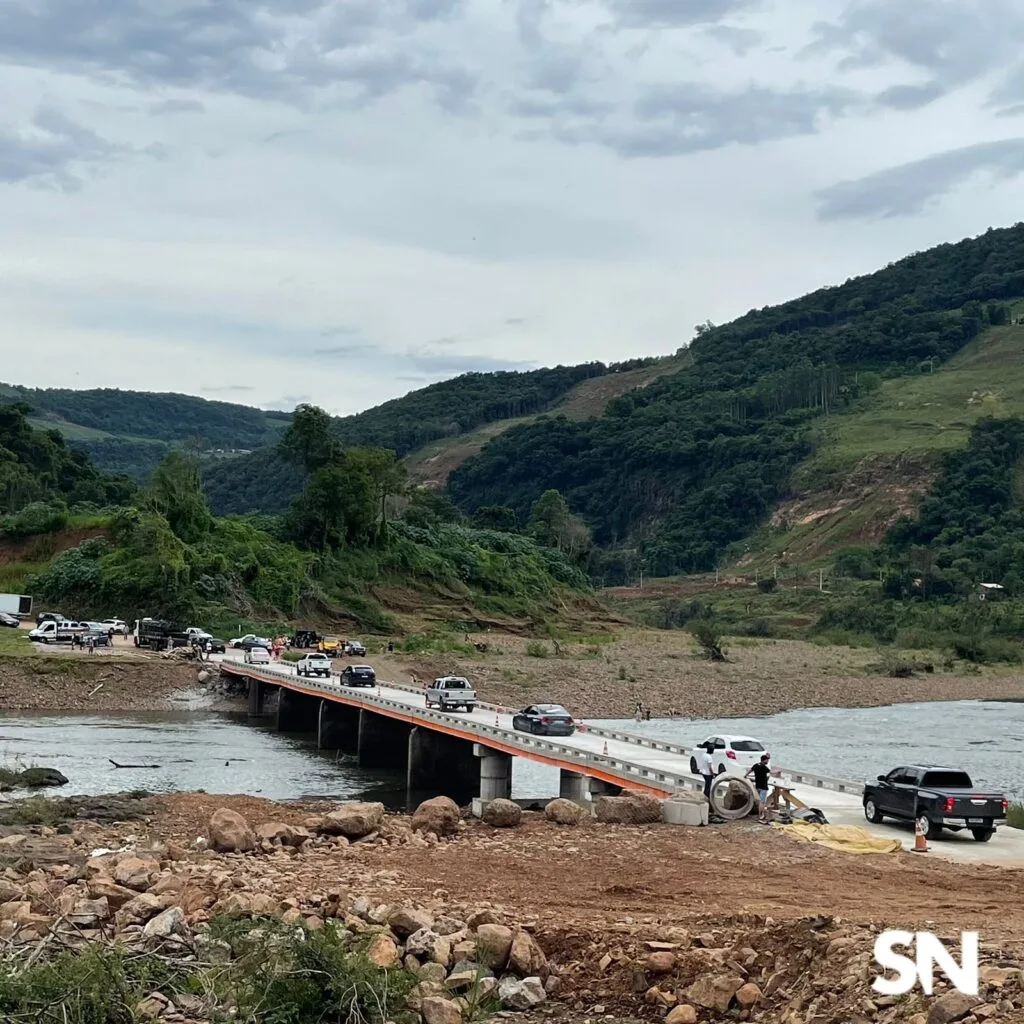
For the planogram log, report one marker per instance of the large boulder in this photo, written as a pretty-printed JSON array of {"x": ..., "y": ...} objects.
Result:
[
  {"x": 438, "y": 1010},
  {"x": 714, "y": 993},
  {"x": 952, "y": 1006},
  {"x": 525, "y": 957},
  {"x": 353, "y": 821},
  {"x": 229, "y": 832},
  {"x": 521, "y": 995},
  {"x": 403, "y": 921},
  {"x": 382, "y": 951},
  {"x": 36, "y": 778},
  {"x": 136, "y": 872},
  {"x": 439, "y": 815},
  {"x": 139, "y": 910},
  {"x": 502, "y": 813},
  {"x": 428, "y": 945},
  {"x": 493, "y": 945},
  {"x": 564, "y": 812},
  {"x": 281, "y": 832},
  {"x": 630, "y": 809}
]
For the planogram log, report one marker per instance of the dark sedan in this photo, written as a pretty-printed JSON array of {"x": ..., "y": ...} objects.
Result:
[
  {"x": 214, "y": 646},
  {"x": 358, "y": 675},
  {"x": 6, "y": 619},
  {"x": 544, "y": 720}
]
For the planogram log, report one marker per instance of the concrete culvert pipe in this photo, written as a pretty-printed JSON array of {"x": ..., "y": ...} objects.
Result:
[{"x": 732, "y": 798}]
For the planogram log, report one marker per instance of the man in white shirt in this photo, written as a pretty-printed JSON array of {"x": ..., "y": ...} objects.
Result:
[{"x": 706, "y": 765}]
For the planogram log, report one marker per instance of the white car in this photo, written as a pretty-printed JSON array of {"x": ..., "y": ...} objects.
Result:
[
  {"x": 313, "y": 665},
  {"x": 119, "y": 626},
  {"x": 257, "y": 656},
  {"x": 732, "y": 755}
]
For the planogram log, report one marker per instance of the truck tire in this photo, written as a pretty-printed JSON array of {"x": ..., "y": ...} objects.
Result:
[
  {"x": 693, "y": 766},
  {"x": 931, "y": 829},
  {"x": 983, "y": 835},
  {"x": 872, "y": 813}
]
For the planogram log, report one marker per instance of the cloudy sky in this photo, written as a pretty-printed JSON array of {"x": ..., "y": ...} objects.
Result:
[{"x": 274, "y": 201}]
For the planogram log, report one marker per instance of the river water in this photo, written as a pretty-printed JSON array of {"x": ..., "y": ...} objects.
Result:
[{"x": 223, "y": 754}]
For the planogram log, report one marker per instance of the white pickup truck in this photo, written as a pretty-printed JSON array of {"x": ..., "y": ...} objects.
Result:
[
  {"x": 313, "y": 665},
  {"x": 51, "y": 632},
  {"x": 451, "y": 692}
]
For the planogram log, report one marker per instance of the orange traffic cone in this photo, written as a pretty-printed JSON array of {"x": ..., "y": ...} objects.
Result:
[{"x": 920, "y": 842}]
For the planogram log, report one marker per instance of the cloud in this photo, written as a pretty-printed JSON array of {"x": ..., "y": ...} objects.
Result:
[
  {"x": 227, "y": 388},
  {"x": 910, "y": 188},
  {"x": 177, "y": 107},
  {"x": 740, "y": 40},
  {"x": 437, "y": 365},
  {"x": 954, "y": 42},
  {"x": 675, "y": 13},
  {"x": 283, "y": 49},
  {"x": 52, "y": 150},
  {"x": 670, "y": 120}
]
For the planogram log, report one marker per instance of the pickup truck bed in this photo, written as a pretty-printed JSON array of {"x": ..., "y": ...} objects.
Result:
[{"x": 938, "y": 798}]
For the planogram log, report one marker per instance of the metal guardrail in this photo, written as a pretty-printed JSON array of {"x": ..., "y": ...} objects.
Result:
[
  {"x": 801, "y": 778},
  {"x": 627, "y": 771}
]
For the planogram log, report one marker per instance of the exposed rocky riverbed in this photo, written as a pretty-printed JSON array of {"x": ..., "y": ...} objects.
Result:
[{"x": 543, "y": 915}]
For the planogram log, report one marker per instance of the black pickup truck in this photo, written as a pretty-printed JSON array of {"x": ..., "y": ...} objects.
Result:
[{"x": 937, "y": 798}]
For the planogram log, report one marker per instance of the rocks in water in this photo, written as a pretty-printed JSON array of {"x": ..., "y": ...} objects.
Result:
[
  {"x": 629, "y": 809},
  {"x": 229, "y": 832},
  {"x": 353, "y": 821},
  {"x": 564, "y": 812},
  {"x": 36, "y": 778},
  {"x": 502, "y": 813},
  {"x": 439, "y": 815}
]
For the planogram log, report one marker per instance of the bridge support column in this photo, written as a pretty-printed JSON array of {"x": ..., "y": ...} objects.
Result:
[
  {"x": 442, "y": 764},
  {"x": 495, "y": 773},
  {"x": 337, "y": 727},
  {"x": 383, "y": 742},
  {"x": 580, "y": 788},
  {"x": 256, "y": 690},
  {"x": 296, "y": 712}
]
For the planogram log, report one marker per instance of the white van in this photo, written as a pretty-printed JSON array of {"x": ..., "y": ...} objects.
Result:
[{"x": 58, "y": 632}]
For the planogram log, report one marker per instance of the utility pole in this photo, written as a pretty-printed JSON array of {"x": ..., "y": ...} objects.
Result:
[
  {"x": 641, "y": 579},
  {"x": 821, "y": 579}
]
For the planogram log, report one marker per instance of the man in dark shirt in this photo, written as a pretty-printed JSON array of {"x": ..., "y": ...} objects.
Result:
[{"x": 760, "y": 773}]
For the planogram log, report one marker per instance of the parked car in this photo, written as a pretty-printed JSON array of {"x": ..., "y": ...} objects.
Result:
[
  {"x": 6, "y": 619},
  {"x": 544, "y": 720},
  {"x": 214, "y": 646},
  {"x": 313, "y": 665},
  {"x": 249, "y": 641},
  {"x": 119, "y": 626},
  {"x": 329, "y": 645},
  {"x": 732, "y": 755},
  {"x": 451, "y": 692},
  {"x": 99, "y": 637},
  {"x": 935, "y": 798},
  {"x": 354, "y": 648},
  {"x": 195, "y": 633},
  {"x": 358, "y": 675},
  {"x": 257, "y": 656},
  {"x": 50, "y": 617}
]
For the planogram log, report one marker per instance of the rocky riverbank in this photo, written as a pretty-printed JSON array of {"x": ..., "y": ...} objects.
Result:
[
  {"x": 210, "y": 903},
  {"x": 92, "y": 683}
]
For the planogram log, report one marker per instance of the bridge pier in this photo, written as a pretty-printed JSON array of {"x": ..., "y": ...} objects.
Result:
[
  {"x": 442, "y": 763},
  {"x": 383, "y": 742},
  {"x": 296, "y": 712},
  {"x": 256, "y": 693},
  {"x": 495, "y": 773},
  {"x": 337, "y": 727},
  {"x": 580, "y": 788}
]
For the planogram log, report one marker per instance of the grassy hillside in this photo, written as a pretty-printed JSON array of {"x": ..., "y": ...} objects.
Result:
[
  {"x": 872, "y": 461},
  {"x": 432, "y": 464}
]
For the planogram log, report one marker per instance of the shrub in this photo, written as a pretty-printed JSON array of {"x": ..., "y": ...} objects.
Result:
[
  {"x": 535, "y": 649},
  {"x": 768, "y": 585},
  {"x": 709, "y": 641},
  {"x": 1015, "y": 816}
]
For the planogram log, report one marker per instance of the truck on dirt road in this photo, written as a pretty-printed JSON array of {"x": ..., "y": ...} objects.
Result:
[{"x": 935, "y": 798}]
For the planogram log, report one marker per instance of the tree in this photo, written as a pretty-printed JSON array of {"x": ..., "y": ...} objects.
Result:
[
  {"x": 309, "y": 439},
  {"x": 175, "y": 491},
  {"x": 496, "y": 517},
  {"x": 554, "y": 525},
  {"x": 426, "y": 508}
]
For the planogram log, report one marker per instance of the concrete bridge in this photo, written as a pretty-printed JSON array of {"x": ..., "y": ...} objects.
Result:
[{"x": 390, "y": 727}]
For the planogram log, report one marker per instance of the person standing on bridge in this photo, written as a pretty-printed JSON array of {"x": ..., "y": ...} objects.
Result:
[{"x": 707, "y": 769}]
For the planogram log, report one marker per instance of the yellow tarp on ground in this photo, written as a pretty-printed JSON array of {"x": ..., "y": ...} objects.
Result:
[{"x": 848, "y": 838}]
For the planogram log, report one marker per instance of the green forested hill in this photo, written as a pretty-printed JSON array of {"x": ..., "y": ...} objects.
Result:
[
  {"x": 130, "y": 431},
  {"x": 698, "y": 459},
  {"x": 448, "y": 409}
]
